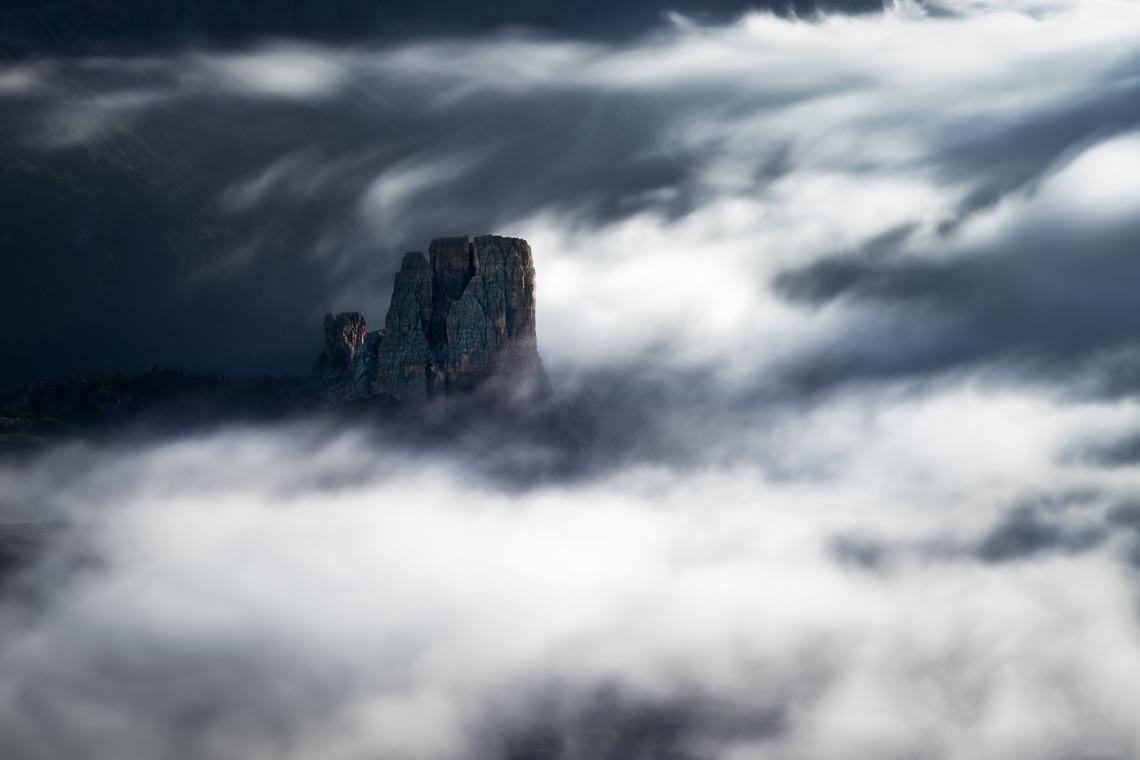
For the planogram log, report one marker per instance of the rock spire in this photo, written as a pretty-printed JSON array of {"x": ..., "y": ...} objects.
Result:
[{"x": 461, "y": 320}]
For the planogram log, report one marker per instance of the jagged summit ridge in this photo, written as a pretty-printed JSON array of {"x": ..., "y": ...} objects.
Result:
[{"x": 461, "y": 320}]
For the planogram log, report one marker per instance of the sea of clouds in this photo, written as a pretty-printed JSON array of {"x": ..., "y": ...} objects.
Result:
[
  {"x": 932, "y": 576},
  {"x": 842, "y": 312}
]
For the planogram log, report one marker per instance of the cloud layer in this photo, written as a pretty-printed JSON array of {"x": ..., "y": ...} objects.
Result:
[
  {"x": 842, "y": 460},
  {"x": 935, "y": 578}
]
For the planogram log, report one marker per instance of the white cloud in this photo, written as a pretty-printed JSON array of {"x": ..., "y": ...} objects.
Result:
[
  {"x": 18, "y": 80},
  {"x": 281, "y": 71},
  {"x": 410, "y": 608},
  {"x": 1099, "y": 184}
]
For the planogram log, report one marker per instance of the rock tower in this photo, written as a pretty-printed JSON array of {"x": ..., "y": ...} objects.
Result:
[{"x": 461, "y": 320}]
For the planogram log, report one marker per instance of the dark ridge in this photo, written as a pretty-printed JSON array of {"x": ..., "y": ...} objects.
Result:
[{"x": 81, "y": 405}]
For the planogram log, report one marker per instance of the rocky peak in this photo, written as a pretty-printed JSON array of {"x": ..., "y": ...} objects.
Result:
[
  {"x": 344, "y": 334},
  {"x": 460, "y": 320}
]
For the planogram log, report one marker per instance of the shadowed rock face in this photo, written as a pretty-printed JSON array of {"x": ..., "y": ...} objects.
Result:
[
  {"x": 344, "y": 334},
  {"x": 460, "y": 322}
]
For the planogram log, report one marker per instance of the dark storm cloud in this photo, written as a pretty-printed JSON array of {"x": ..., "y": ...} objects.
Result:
[
  {"x": 1033, "y": 529},
  {"x": 202, "y": 210},
  {"x": 1028, "y": 532},
  {"x": 1052, "y": 301},
  {"x": 1022, "y": 535},
  {"x": 88, "y": 26},
  {"x": 1123, "y": 452},
  {"x": 608, "y": 725},
  {"x": 1008, "y": 155},
  {"x": 170, "y": 236}
]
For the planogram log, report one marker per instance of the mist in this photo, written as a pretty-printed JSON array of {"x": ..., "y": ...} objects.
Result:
[
  {"x": 297, "y": 592},
  {"x": 838, "y": 313}
]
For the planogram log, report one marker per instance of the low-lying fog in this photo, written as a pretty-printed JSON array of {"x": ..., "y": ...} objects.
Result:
[{"x": 939, "y": 575}]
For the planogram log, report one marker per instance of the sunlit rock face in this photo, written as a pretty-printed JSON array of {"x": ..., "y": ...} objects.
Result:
[{"x": 461, "y": 320}]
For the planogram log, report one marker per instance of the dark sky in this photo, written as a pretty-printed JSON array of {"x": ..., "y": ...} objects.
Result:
[
  {"x": 117, "y": 168},
  {"x": 30, "y": 27},
  {"x": 200, "y": 205}
]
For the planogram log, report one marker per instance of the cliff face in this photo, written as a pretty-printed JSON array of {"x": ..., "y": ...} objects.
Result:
[{"x": 460, "y": 321}]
